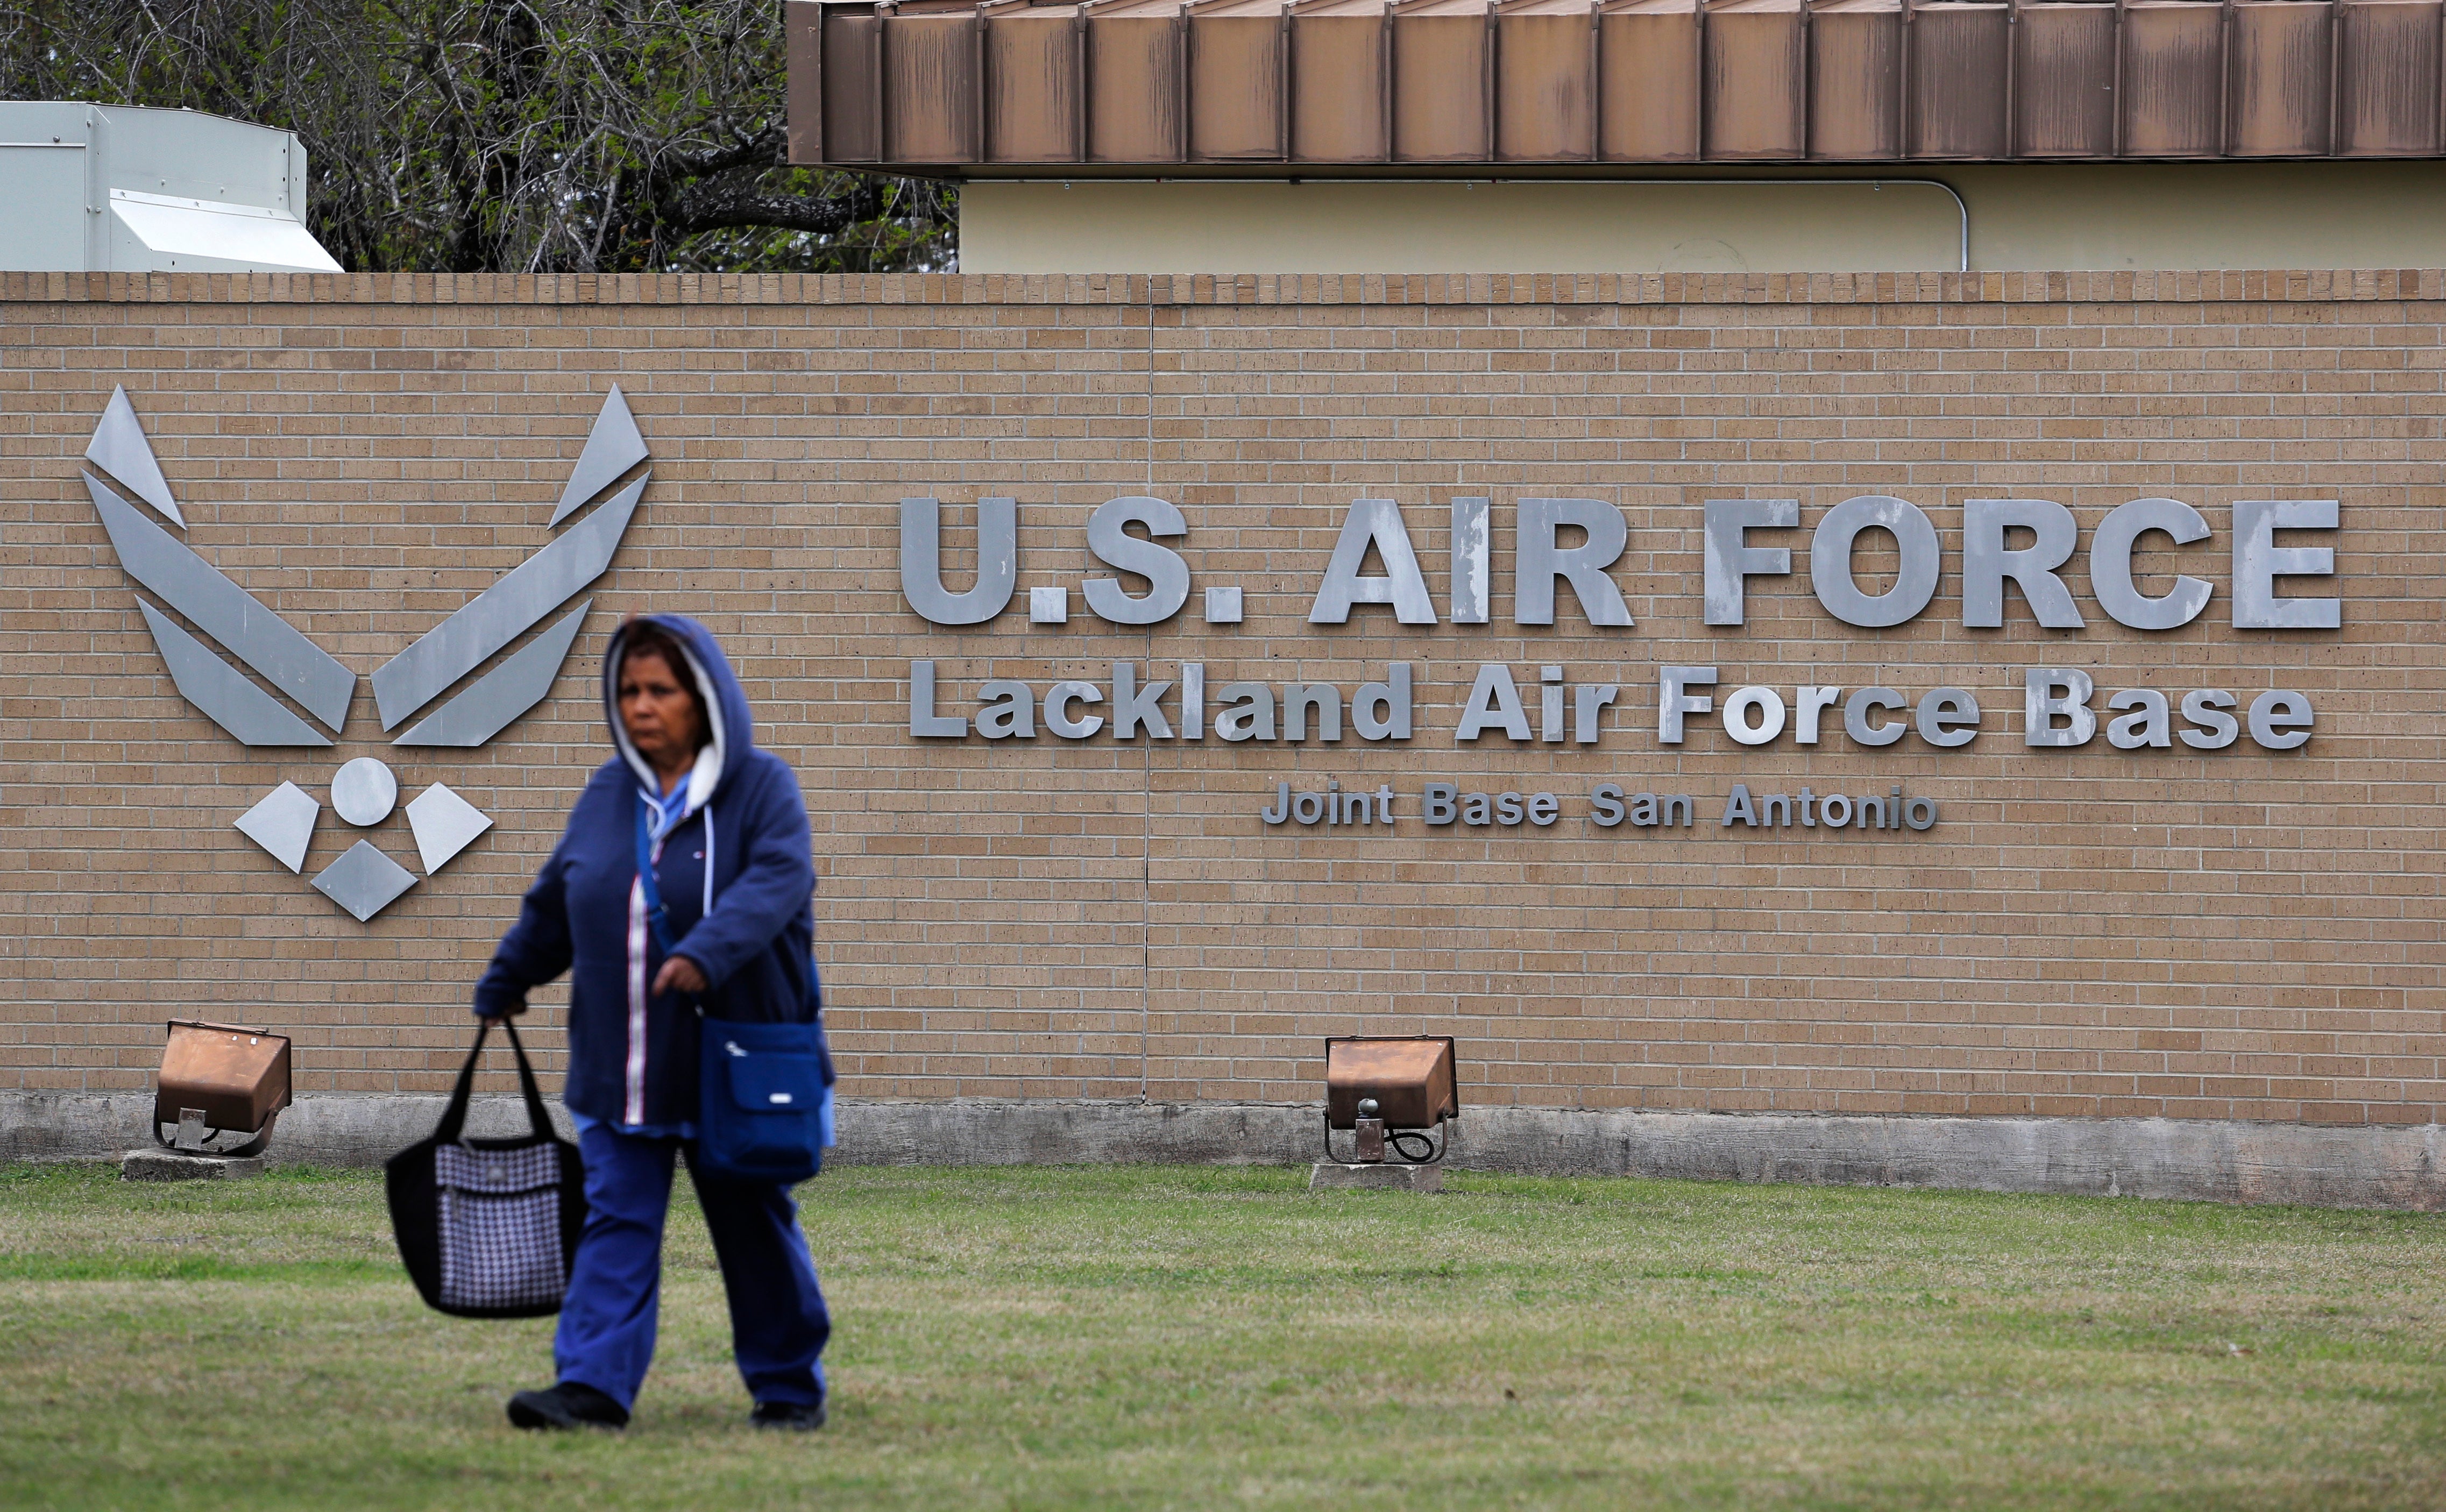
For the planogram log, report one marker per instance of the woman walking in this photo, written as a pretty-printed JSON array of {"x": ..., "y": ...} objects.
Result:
[{"x": 725, "y": 827}]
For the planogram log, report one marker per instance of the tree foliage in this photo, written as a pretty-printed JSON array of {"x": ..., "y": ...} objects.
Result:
[{"x": 508, "y": 136}]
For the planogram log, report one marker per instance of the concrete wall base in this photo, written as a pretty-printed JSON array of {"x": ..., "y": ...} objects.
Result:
[{"x": 2328, "y": 1167}]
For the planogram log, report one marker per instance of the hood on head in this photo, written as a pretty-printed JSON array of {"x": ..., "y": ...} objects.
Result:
[{"x": 733, "y": 729}]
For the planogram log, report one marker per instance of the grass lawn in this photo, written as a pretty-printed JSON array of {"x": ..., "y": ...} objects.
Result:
[{"x": 1217, "y": 1338}]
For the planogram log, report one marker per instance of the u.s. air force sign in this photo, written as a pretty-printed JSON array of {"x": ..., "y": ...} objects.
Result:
[
  {"x": 207, "y": 628},
  {"x": 1563, "y": 550}
]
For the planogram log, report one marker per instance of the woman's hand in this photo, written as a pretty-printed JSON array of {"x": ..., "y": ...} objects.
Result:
[{"x": 680, "y": 974}]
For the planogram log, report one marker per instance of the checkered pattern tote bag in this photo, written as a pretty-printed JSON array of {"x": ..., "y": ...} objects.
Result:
[{"x": 487, "y": 1227}]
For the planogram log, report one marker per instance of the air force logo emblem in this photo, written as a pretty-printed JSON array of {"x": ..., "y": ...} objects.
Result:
[{"x": 194, "y": 608}]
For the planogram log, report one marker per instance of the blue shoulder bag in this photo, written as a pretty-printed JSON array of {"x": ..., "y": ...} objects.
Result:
[{"x": 765, "y": 1091}]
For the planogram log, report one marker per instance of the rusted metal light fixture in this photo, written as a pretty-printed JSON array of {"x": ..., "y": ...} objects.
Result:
[
  {"x": 1400, "y": 1094},
  {"x": 220, "y": 1081}
]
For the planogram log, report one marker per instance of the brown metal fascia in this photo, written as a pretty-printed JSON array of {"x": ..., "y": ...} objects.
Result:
[
  {"x": 1384, "y": 73},
  {"x": 1493, "y": 81},
  {"x": 803, "y": 38},
  {"x": 977, "y": 87},
  {"x": 1283, "y": 85},
  {"x": 2117, "y": 85},
  {"x": 1906, "y": 118},
  {"x": 2387, "y": 99},
  {"x": 1184, "y": 44},
  {"x": 1087, "y": 87},
  {"x": 1489, "y": 71},
  {"x": 2225, "y": 78},
  {"x": 855, "y": 61},
  {"x": 1808, "y": 77},
  {"x": 2012, "y": 71},
  {"x": 1596, "y": 82},
  {"x": 886, "y": 11},
  {"x": 1181, "y": 85},
  {"x": 1698, "y": 71},
  {"x": 2335, "y": 66}
]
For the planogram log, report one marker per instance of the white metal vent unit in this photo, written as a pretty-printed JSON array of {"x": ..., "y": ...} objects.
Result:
[{"x": 122, "y": 189}]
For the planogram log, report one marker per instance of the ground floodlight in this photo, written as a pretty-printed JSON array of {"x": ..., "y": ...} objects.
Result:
[
  {"x": 220, "y": 1081},
  {"x": 1396, "y": 1091}
]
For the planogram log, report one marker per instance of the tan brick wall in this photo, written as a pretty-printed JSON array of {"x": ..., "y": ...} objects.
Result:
[{"x": 2092, "y": 932}]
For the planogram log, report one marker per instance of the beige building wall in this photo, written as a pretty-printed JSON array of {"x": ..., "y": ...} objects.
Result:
[
  {"x": 2020, "y": 217},
  {"x": 2240, "y": 933}
]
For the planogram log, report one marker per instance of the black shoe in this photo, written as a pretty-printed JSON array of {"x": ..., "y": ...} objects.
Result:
[
  {"x": 794, "y": 1417},
  {"x": 569, "y": 1405}
]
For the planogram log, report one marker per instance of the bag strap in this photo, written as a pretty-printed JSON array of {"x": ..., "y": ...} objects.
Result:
[
  {"x": 454, "y": 1118},
  {"x": 657, "y": 918}
]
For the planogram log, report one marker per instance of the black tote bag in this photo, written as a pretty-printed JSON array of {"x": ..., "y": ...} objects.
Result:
[{"x": 488, "y": 1228}]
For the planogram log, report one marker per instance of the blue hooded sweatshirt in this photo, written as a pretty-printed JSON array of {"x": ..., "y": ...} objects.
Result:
[{"x": 737, "y": 878}]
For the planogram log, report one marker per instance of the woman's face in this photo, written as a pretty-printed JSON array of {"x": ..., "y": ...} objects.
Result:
[{"x": 657, "y": 712}]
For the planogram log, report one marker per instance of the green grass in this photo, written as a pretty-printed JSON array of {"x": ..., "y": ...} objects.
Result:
[{"x": 1220, "y": 1338}]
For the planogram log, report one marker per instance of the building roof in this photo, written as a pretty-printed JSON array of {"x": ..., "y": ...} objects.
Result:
[{"x": 1272, "y": 86}]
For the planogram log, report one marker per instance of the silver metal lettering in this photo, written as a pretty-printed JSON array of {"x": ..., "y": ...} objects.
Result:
[
  {"x": 1373, "y": 522},
  {"x": 1298, "y": 697},
  {"x": 2049, "y": 692},
  {"x": 1589, "y": 698},
  {"x": 922, "y": 721},
  {"x": 921, "y": 561},
  {"x": 1674, "y": 701},
  {"x": 2280, "y": 719},
  {"x": 1471, "y": 595},
  {"x": 2153, "y": 725},
  {"x": 1006, "y": 710},
  {"x": 1728, "y": 557},
  {"x": 1493, "y": 704},
  {"x": 1192, "y": 701},
  {"x": 1167, "y": 576},
  {"x": 1830, "y": 561},
  {"x": 1987, "y": 564},
  {"x": 2110, "y": 565},
  {"x": 1391, "y": 696},
  {"x": 1247, "y": 711},
  {"x": 1810, "y": 701},
  {"x": 1746, "y": 730},
  {"x": 1948, "y": 718},
  {"x": 1134, "y": 706},
  {"x": 1856, "y": 716},
  {"x": 2216, "y": 730},
  {"x": 2258, "y": 562},
  {"x": 1058, "y": 699},
  {"x": 1538, "y": 560}
]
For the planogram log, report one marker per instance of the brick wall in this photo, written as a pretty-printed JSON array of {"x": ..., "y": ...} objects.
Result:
[{"x": 2229, "y": 934}]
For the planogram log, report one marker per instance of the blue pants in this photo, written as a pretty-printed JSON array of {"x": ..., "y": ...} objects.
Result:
[{"x": 778, "y": 1322}]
